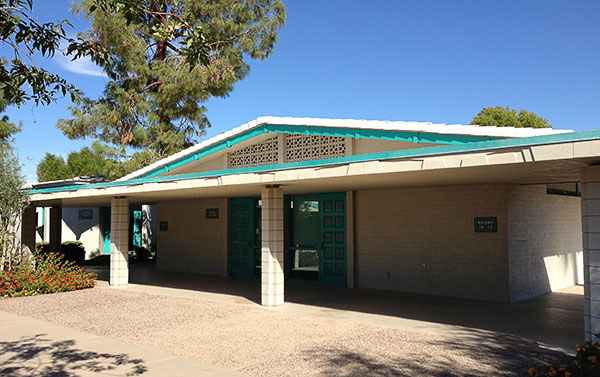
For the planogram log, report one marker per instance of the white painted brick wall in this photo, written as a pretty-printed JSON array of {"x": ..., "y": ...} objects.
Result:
[
  {"x": 422, "y": 240},
  {"x": 544, "y": 241}
]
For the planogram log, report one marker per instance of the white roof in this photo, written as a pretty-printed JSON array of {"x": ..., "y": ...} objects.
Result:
[{"x": 428, "y": 127}]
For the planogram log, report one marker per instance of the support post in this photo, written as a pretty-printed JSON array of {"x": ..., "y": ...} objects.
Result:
[
  {"x": 28, "y": 227},
  {"x": 119, "y": 241},
  {"x": 55, "y": 229},
  {"x": 590, "y": 220},
  {"x": 272, "y": 278}
]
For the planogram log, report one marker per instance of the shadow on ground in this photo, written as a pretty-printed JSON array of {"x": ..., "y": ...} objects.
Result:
[
  {"x": 555, "y": 319},
  {"x": 504, "y": 356},
  {"x": 39, "y": 356}
]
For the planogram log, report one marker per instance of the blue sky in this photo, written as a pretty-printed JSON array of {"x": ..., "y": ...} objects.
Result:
[{"x": 438, "y": 61}]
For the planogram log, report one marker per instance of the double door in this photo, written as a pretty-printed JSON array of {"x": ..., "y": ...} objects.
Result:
[{"x": 317, "y": 240}]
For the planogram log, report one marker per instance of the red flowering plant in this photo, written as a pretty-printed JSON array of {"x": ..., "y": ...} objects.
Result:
[
  {"x": 586, "y": 363},
  {"x": 43, "y": 273}
]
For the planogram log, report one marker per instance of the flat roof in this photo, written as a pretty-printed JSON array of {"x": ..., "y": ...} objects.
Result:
[{"x": 592, "y": 135}]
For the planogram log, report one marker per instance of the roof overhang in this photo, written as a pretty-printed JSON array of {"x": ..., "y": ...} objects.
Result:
[
  {"x": 387, "y": 130},
  {"x": 535, "y": 160}
]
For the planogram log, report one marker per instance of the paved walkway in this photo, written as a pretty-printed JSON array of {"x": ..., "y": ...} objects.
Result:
[
  {"x": 30, "y": 347},
  {"x": 553, "y": 321}
]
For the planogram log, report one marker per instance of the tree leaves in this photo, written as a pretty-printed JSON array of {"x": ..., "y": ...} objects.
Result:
[
  {"x": 20, "y": 79},
  {"x": 165, "y": 58},
  {"x": 507, "y": 117}
]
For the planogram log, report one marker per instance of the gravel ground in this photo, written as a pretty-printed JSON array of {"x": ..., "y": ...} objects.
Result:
[{"x": 264, "y": 342}]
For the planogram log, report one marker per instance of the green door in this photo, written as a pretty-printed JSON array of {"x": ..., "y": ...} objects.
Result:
[
  {"x": 137, "y": 229},
  {"x": 242, "y": 236},
  {"x": 106, "y": 230},
  {"x": 332, "y": 219}
]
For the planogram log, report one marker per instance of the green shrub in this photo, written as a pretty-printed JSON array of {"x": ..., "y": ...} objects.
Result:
[
  {"x": 586, "y": 363},
  {"x": 74, "y": 251},
  {"x": 43, "y": 273},
  {"x": 42, "y": 247}
]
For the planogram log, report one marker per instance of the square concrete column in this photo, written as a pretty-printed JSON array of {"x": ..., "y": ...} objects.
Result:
[
  {"x": 55, "y": 229},
  {"x": 590, "y": 221},
  {"x": 272, "y": 247},
  {"x": 28, "y": 227},
  {"x": 119, "y": 241}
]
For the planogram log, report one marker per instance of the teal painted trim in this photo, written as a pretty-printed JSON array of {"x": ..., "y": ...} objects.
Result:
[
  {"x": 406, "y": 153},
  {"x": 204, "y": 152},
  {"x": 358, "y": 133},
  {"x": 363, "y": 133}
]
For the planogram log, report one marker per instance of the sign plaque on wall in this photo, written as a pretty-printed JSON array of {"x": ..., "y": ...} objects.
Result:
[
  {"x": 212, "y": 213},
  {"x": 486, "y": 224},
  {"x": 86, "y": 214},
  {"x": 163, "y": 225}
]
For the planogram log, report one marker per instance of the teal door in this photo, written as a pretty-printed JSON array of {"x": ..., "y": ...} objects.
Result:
[
  {"x": 137, "y": 229},
  {"x": 242, "y": 241},
  {"x": 332, "y": 220},
  {"x": 106, "y": 230},
  {"x": 317, "y": 238}
]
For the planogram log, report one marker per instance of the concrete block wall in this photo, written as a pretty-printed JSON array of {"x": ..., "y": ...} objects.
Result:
[
  {"x": 119, "y": 241},
  {"x": 272, "y": 275},
  {"x": 422, "y": 240},
  {"x": 544, "y": 241},
  {"x": 590, "y": 211},
  {"x": 192, "y": 243}
]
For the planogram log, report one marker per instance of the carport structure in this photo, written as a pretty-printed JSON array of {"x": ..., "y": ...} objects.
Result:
[{"x": 461, "y": 211}]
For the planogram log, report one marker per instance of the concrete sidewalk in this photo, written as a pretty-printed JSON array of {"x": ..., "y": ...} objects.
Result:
[{"x": 30, "y": 347}]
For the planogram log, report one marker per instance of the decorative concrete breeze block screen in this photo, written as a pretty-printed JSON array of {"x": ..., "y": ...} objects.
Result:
[
  {"x": 313, "y": 147},
  {"x": 263, "y": 153},
  {"x": 297, "y": 147}
]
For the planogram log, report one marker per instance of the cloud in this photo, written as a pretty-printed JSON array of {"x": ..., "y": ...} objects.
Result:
[{"x": 82, "y": 66}]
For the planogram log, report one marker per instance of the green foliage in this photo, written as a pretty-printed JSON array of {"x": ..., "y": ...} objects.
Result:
[
  {"x": 7, "y": 128},
  {"x": 507, "y": 117},
  {"x": 44, "y": 273},
  {"x": 53, "y": 168},
  {"x": 88, "y": 161},
  {"x": 586, "y": 363},
  {"x": 73, "y": 251},
  {"x": 165, "y": 58},
  {"x": 26, "y": 37},
  {"x": 42, "y": 247},
  {"x": 14, "y": 198}
]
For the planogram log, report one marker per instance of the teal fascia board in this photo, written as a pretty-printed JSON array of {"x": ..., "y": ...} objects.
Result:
[
  {"x": 406, "y": 153},
  {"x": 358, "y": 133}
]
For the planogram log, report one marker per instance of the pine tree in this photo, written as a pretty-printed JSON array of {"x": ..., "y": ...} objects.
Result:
[{"x": 165, "y": 58}]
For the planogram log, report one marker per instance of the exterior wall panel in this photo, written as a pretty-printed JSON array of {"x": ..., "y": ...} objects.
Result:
[
  {"x": 422, "y": 240},
  {"x": 192, "y": 243},
  {"x": 544, "y": 241}
]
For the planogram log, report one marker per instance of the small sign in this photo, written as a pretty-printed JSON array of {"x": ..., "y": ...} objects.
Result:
[
  {"x": 212, "y": 213},
  {"x": 86, "y": 214},
  {"x": 163, "y": 226},
  {"x": 486, "y": 224}
]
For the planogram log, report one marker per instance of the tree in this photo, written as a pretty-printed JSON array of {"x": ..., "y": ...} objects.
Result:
[
  {"x": 507, "y": 117},
  {"x": 88, "y": 161},
  {"x": 25, "y": 37},
  {"x": 7, "y": 128},
  {"x": 14, "y": 198},
  {"x": 165, "y": 58},
  {"x": 52, "y": 168}
]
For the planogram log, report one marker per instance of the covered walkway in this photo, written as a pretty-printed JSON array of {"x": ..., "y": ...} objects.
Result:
[{"x": 553, "y": 321}]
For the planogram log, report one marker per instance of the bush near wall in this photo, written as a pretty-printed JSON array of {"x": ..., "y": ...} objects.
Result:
[
  {"x": 586, "y": 363},
  {"x": 42, "y": 247},
  {"x": 43, "y": 273},
  {"x": 74, "y": 251}
]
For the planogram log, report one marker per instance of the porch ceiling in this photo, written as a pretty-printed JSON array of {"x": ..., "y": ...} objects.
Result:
[{"x": 553, "y": 163}]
